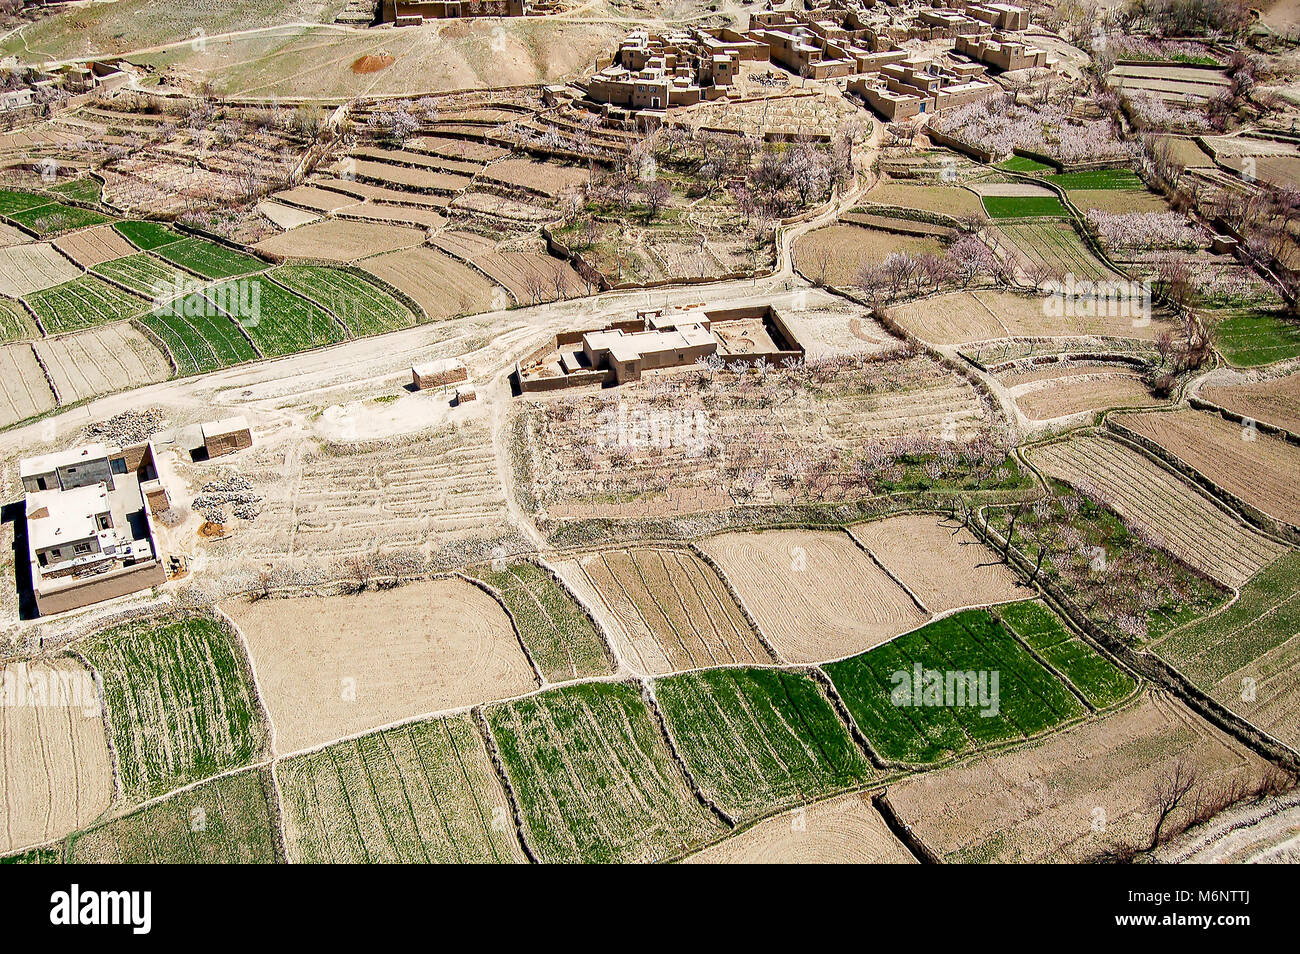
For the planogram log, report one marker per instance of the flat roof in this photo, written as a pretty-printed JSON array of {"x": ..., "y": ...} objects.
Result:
[
  {"x": 71, "y": 515},
  {"x": 46, "y": 463},
  {"x": 229, "y": 425}
]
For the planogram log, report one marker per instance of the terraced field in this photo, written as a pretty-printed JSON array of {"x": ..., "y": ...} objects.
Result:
[
  {"x": 363, "y": 306},
  {"x": 24, "y": 390},
  {"x": 178, "y": 702},
  {"x": 1184, "y": 520},
  {"x": 28, "y": 268},
  {"x": 940, "y": 561},
  {"x": 147, "y": 275},
  {"x": 15, "y": 323},
  {"x": 337, "y": 240},
  {"x": 815, "y": 595},
  {"x": 1074, "y": 795},
  {"x": 561, "y": 638},
  {"x": 55, "y": 217},
  {"x": 208, "y": 259},
  {"x": 222, "y": 821},
  {"x": 594, "y": 779},
  {"x": 438, "y": 283},
  {"x": 55, "y": 769},
  {"x": 668, "y": 609},
  {"x": 200, "y": 338},
  {"x": 82, "y": 303},
  {"x": 917, "y": 723},
  {"x": 1273, "y": 401},
  {"x": 1248, "y": 655},
  {"x": 420, "y": 793},
  {"x": 1057, "y": 245},
  {"x": 101, "y": 360},
  {"x": 147, "y": 236},
  {"x": 90, "y": 247},
  {"x": 757, "y": 740},
  {"x": 842, "y": 830},
  {"x": 1103, "y": 683},
  {"x": 1258, "y": 468},
  {"x": 285, "y": 323}
]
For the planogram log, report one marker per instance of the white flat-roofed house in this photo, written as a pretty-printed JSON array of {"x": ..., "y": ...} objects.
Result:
[{"x": 90, "y": 536}]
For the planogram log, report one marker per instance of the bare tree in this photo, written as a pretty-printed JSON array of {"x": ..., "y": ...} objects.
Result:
[{"x": 1170, "y": 792}]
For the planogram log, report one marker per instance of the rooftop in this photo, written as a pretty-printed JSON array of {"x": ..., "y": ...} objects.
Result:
[
  {"x": 46, "y": 463},
  {"x": 229, "y": 425}
]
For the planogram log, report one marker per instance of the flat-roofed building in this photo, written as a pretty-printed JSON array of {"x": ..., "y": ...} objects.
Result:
[{"x": 226, "y": 436}]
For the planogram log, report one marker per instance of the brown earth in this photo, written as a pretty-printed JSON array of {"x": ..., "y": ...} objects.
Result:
[
  {"x": 101, "y": 360},
  {"x": 1273, "y": 401},
  {"x": 814, "y": 594},
  {"x": 338, "y": 665},
  {"x": 1254, "y": 466},
  {"x": 843, "y": 830},
  {"x": 337, "y": 240},
  {"x": 940, "y": 561},
  {"x": 55, "y": 773},
  {"x": 1073, "y": 795}
]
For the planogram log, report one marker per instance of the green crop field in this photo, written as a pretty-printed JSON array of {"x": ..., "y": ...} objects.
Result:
[
  {"x": 12, "y": 201},
  {"x": 1250, "y": 338},
  {"x": 1058, "y": 245},
  {"x": 558, "y": 633},
  {"x": 85, "y": 189},
  {"x": 1103, "y": 683},
  {"x": 420, "y": 793},
  {"x": 208, "y": 259},
  {"x": 222, "y": 821},
  {"x": 282, "y": 323},
  {"x": 1023, "y": 206},
  {"x": 1023, "y": 164},
  {"x": 1265, "y": 615},
  {"x": 362, "y": 306},
  {"x": 56, "y": 217},
  {"x": 757, "y": 740},
  {"x": 146, "y": 275},
  {"x": 83, "y": 303},
  {"x": 200, "y": 338},
  {"x": 179, "y": 705},
  {"x": 36, "y": 856},
  {"x": 1120, "y": 179},
  {"x": 594, "y": 778},
  {"x": 147, "y": 236},
  {"x": 1029, "y": 699},
  {"x": 15, "y": 323}
]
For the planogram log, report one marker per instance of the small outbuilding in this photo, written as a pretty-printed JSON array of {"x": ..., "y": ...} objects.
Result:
[
  {"x": 438, "y": 373},
  {"x": 227, "y": 436}
]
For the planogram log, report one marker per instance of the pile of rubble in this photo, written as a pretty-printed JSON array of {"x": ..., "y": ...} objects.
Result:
[
  {"x": 234, "y": 491},
  {"x": 129, "y": 427}
]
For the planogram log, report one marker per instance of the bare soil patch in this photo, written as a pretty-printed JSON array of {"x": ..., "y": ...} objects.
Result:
[
  {"x": 964, "y": 316},
  {"x": 815, "y": 595},
  {"x": 671, "y": 610},
  {"x": 1038, "y": 802},
  {"x": 441, "y": 285},
  {"x": 102, "y": 360},
  {"x": 940, "y": 561},
  {"x": 1274, "y": 401},
  {"x": 337, "y": 665},
  {"x": 29, "y": 268},
  {"x": 93, "y": 246},
  {"x": 843, "y": 830},
  {"x": 835, "y": 254},
  {"x": 55, "y": 774},
  {"x": 372, "y": 63},
  {"x": 1254, "y": 466},
  {"x": 1082, "y": 390},
  {"x": 24, "y": 391},
  {"x": 337, "y": 240}
]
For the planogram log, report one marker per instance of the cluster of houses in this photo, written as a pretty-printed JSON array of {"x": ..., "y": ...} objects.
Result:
[
  {"x": 651, "y": 73},
  {"x": 414, "y": 12}
]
